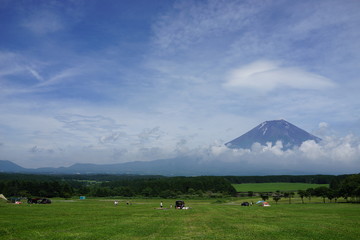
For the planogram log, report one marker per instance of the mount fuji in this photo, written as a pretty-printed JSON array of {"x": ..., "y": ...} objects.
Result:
[{"x": 272, "y": 131}]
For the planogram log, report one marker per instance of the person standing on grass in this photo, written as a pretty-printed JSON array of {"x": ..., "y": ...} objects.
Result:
[{"x": 161, "y": 204}]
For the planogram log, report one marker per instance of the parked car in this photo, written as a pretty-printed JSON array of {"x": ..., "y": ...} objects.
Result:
[
  {"x": 39, "y": 200},
  {"x": 179, "y": 204}
]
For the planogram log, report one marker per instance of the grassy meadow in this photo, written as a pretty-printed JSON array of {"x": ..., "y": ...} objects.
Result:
[
  {"x": 207, "y": 219},
  {"x": 272, "y": 187}
]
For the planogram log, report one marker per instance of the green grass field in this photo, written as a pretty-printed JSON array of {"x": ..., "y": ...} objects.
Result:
[
  {"x": 101, "y": 219},
  {"x": 272, "y": 187}
]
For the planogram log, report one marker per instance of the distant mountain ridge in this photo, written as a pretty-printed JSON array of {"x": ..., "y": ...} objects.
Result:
[
  {"x": 269, "y": 131},
  {"x": 8, "y": 166},
  {"x": 169, "y": 167},
  {"x": 273, "y": 131},
  {"x": 184, "y": 166}
]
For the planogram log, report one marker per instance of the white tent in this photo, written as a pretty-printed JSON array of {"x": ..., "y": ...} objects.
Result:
[{"x": 3, "y": 197}]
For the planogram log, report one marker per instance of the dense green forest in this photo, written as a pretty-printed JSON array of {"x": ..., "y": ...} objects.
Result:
[
  {"x": 112, "y": 185},
  {"x": 316, "y": 179},
  {"x": 66, "y": 186}
]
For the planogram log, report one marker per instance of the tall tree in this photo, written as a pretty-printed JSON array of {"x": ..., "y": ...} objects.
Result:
[
  {"x": 302, "y": 194},
  {"x": 264, "y": 196},
  {"x": 309, "y": 193},
  {"x": 277, "y": 196},
  {"x": 322, "y": 192},
  {"x": 289, "y": 195}
]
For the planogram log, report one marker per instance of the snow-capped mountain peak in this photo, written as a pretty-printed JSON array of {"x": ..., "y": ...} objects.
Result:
[{"x": 273, "y": 131}]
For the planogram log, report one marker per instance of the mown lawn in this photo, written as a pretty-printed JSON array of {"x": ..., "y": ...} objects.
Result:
[
  {"x": 100, "y": 219},
  {"x": 272, "y": 187}
]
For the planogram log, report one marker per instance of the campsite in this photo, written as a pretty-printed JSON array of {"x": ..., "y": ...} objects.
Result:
[
  {"x": 202, "y": 211},
  {"x": 225, "y": 218}
]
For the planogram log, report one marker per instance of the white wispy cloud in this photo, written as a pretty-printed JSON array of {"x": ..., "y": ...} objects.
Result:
[
  {"x": 322, "y": 17},
  {"x": 268, "y": 75},
  {"x": 90, "y": 125},
  {"x": 35, "y": 73},
  {"x": 192, "y": 22},
  {"x": 43, "y": 22},
  {"x": 67, "y": 74},
  {"x": 111, "y": 138},
  {"x": 9, "y": 63},
  {"x": 148, "y": 134},
  {"x": 19, "y": 74}
]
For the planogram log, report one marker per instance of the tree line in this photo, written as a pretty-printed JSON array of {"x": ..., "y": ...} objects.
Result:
[
  {"x": 126, "y": 186},
  {"x": 313, "y": 179},
  {"x": 316, "y": 179},
  {"x": 347, "y": 188},
  {"x": 29, "y": 188},
  {"x": 65, "y": 186}
]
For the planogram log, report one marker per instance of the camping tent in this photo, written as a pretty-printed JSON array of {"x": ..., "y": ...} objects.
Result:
[
  {"x": 3, "y": 197},
  {"x": 263, "y": 203}
]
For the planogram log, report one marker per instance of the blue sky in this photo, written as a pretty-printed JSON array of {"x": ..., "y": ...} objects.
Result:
[{"x": 117, "y": 81}]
